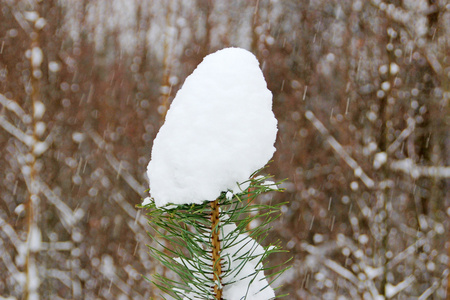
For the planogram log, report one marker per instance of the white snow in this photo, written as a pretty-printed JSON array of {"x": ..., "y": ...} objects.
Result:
[
  {"x": 407, "y": 165},
  {"x": 363, "y": 239},
  {"x": 379, "y": 159},
  {"x": 31, "y": 16},
  {"x": 35, "y": 239},
  {"x": 383, "y": 69},
  {"x": 54, "y": 66},
  {"x": 40, "y": 128},
  {"x": 146, "y": 201},
  {"x": 242, "y": 277},
  {"x": 219, "y": 129},
  {"x": 107, "y": 266},
  {"x": 394, "y": 68},
  {"x": 271, "y": 184},
  {"x": 40, "y": 147},
  {"x": 8, "y": 298},
  {"x": 392, "y": 290},
  {"x": 385, "y": 86},
  {"x": 36, "y": 57},
  {"x": 372, "y": 272},
  {"x": 78, "y": 137},
  {"x": 39, "y": 109},
  {"x": 33, "y": 281},
  {"x": 40, "y": 23},
  {"x": 318, "y": 238},
  {"x": 19, "y": 209}
]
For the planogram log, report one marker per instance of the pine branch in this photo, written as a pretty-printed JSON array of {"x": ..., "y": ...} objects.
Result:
[{"x": 210, "y": 246}]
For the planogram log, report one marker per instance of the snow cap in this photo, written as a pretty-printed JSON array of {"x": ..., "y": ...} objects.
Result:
[{"x": 219, "y": 129}]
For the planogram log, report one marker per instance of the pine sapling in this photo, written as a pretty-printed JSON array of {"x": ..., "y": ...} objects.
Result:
[
  {"x": 219, "y": 129},
  {"x": 212, "y": 247}
]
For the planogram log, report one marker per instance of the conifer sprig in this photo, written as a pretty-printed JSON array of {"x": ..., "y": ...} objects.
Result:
[{"x": 194, "y": 241}]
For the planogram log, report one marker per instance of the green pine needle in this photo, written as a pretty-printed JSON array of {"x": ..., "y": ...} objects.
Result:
[{"x": 183, "y": 234}]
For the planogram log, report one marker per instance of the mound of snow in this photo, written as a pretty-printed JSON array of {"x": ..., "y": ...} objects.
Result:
[{"x": 219, "y": 129}]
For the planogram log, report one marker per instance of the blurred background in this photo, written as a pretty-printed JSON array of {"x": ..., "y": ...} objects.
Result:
[{"x": 361, "y": 92}]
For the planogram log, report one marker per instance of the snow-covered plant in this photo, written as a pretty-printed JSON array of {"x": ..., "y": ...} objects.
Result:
[
  {"x": 219, "y": 129},
  {"x": 212, "y": 247}
]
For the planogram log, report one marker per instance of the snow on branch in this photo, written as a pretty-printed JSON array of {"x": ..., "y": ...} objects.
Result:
[
  {"x": 416, "y": 29},
  {"x": 132, "y": 182},
  {"x": 11, "y": 233},
  {"x": 372, "y": 273},
  {"x": 407, "y": 252},
  {"x": 22, "y": 21},
  {"x": 403, "y": 135},
  {"x": 358, "y": 171},
  {"x": 332, "y": 265},
  {"x": 12, "y": 106},
  {"x": 392, "y": 290},
  {"x": 429, "y": 291},
  {"x": 62, "y": 276},
  {"x": 108, "y": 269},
  {"x": 219, "y": 129},
  {"x": 16, "y": 132},
  {"x": 343, "y": 272},
  {"x": 18, "y": 276},
  {"x": 395, "y": 13},
  {"x": 129, "y": 209},
  {"x": 409, "y": 167},
  {"x": 115, "y": 164},
  {"x": 129, "y": 179},
  {"x": 58, "y": 246},
  {"x": 68, "y": 218}
]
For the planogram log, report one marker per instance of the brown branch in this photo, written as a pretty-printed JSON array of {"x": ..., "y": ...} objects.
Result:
[{"x": 215, "y": 242}]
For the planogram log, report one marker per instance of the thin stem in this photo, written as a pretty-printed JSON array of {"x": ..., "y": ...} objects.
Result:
[{"x": 215, "y": 242}]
